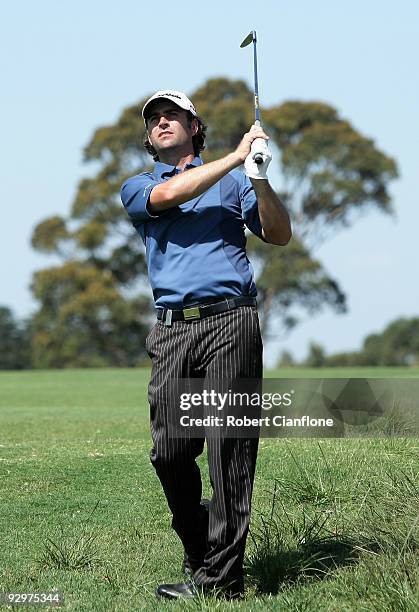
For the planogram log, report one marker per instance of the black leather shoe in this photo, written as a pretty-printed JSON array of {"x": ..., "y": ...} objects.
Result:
[
  {"x": 190, "y": 590},
  {"x": 189, "y": 564},
  {"x": 183, "y": 590}
]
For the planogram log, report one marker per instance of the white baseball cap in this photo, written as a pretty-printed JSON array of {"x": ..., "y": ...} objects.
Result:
[{"x": 178, "y": 97}]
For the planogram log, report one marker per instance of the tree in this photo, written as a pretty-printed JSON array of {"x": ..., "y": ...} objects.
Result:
[
  {"x": 286, "y": 360},
  {"x": 344, "y": 360},
  {"x": 330, "y": 170},
  {"x": 84, "y": 320},
  {"x": 291, "y": 278},
  {"x": 397, "y": 345},
  {"x": 316, "y": 357},
  {"x": 14, "y": 342}
]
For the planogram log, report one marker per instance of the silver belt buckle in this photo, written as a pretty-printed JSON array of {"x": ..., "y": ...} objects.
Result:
[
  {"x": 191, "y": 313},
  {"x": 168, "y": 318}
]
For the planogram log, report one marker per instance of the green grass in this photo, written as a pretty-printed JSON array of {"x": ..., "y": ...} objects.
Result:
[{"x": 334, "y": 523}]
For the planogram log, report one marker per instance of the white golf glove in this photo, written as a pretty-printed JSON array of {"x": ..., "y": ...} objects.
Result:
[{"x": 252, "y": 169}]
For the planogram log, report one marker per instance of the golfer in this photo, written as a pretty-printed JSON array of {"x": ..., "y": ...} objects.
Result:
[{"x": 191, "y": 217}]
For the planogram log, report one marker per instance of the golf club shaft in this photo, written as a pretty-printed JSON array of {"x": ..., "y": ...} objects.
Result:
[
  {"x": 251, "y": 37},
  {"x": 258, "y": 158},
  {"x": 255, "y": 69}
]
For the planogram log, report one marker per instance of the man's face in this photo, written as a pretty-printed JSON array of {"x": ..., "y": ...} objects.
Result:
[{"x": 168, "y": 127}]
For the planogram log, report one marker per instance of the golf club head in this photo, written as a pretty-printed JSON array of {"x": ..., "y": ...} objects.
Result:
[{"x": 249, "y": 38}]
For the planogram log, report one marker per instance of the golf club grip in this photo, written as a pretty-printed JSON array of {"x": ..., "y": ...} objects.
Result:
[{"x": 258, "y": 158}]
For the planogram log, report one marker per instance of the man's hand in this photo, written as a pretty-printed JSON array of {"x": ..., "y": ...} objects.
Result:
[
  {"x": 244, "y": 147},
  {"x": 253, "y": 170}
]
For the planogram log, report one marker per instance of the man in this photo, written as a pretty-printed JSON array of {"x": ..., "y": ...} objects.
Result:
[{"x": 191, "y": 218}]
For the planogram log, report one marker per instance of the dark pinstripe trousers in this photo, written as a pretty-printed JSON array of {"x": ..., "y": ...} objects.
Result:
[{"x": 224, "y": 346}]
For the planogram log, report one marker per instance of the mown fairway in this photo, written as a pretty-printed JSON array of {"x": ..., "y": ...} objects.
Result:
[{"x": 334, "y": 524}]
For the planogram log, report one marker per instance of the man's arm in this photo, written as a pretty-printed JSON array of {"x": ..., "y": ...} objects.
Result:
[
  {"x": 274, "y": 217},
  {"x": 191, "y": 184}
]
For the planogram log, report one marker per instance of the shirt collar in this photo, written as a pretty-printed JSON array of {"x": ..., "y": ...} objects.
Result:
[{"x": 162, "y": 170}]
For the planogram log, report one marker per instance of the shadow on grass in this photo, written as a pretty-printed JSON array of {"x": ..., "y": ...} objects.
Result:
[
  {"x": 271, "y": 567},
  {"x": 296, "y": 547}
]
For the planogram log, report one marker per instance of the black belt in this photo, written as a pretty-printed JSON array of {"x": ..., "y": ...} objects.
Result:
[{"x": 200, "y": 311}]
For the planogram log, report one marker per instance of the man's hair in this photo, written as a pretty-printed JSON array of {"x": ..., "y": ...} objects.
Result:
[{"x": 198, "y": 140}]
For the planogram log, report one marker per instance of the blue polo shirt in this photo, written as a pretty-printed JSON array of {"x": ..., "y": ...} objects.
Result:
[{"x": 195, "y": 251}]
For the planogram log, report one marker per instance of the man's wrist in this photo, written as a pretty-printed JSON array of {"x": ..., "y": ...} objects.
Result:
[
  {"x": 235, "y": 159},
  {"x": 259, "y": 184}
]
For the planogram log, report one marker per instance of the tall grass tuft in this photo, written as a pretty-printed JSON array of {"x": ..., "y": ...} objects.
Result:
[
  {"x": 69, "y": 553},
  {"x": 72, "y": 553}
]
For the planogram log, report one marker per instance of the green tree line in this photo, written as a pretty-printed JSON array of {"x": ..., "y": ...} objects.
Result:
[
  {"x": 396, "y": 345},
  {"x": 93, "y": 308}
]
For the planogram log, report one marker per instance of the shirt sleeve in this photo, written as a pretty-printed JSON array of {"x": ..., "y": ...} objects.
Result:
[
  {"x": 135, "y": 193},
  {"x": 249, "y": 206}
]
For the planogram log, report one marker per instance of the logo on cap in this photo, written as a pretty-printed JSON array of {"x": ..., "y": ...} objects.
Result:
[{"x": 178, "y": 97}]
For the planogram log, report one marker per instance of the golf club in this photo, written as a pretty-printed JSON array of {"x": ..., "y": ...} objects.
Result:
[{"x": 251, "y": 37}]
